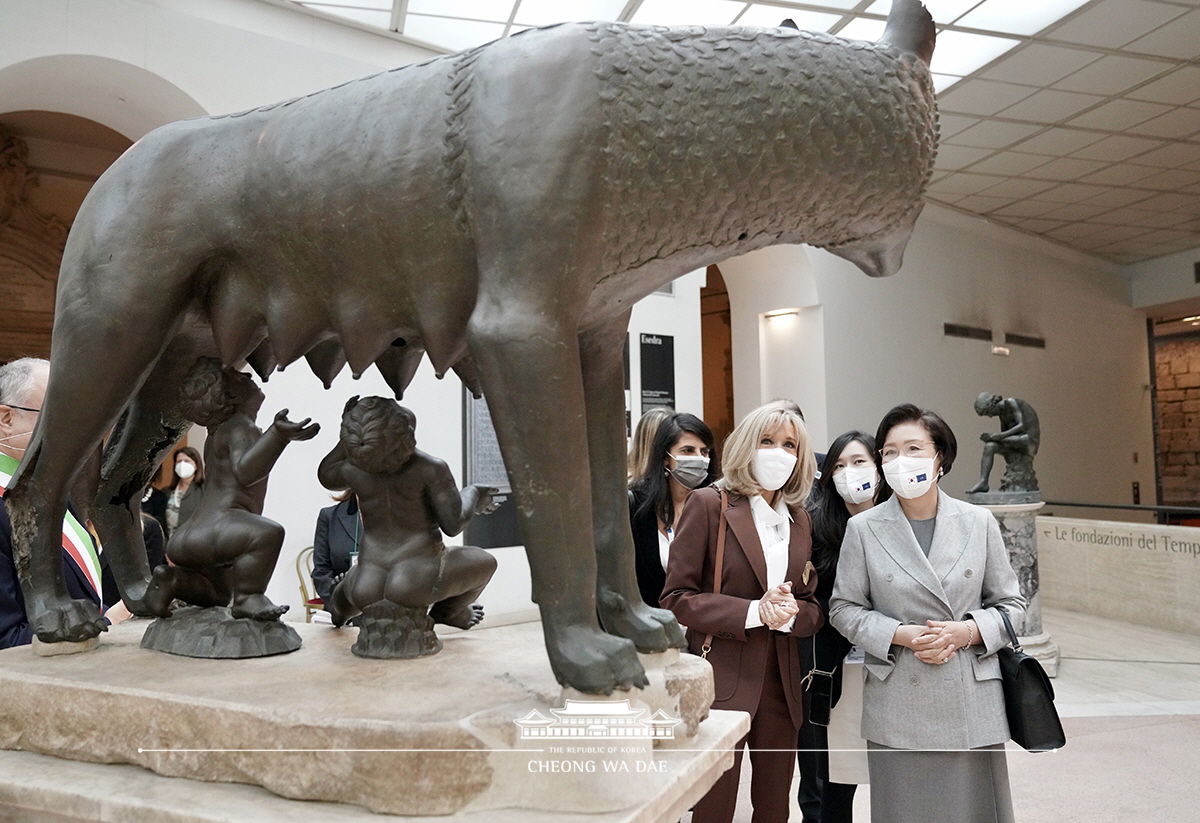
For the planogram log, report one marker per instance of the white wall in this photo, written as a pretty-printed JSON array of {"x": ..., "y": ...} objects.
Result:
[
  {"x": 884, "y": 344},
  {"x": 133, "y": 65},
  {"x": 1165, "y": 280},
  {"x": 857, "y": 346},
  {"x": 781, "y": 355}
]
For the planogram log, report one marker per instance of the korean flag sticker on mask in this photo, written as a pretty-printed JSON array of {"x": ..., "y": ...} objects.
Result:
[
  {"x": 856, "y": 484},
  {"x": 909, "y": 477}
]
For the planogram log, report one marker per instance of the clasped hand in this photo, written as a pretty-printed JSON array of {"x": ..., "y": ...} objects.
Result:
[
  {"x": 778, "y": 606},
  {"x": 937, "y": 642}
]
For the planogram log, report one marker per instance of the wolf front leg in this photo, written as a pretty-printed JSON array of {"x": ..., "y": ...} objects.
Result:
[
  {"x": 619, "y": 601},
  {"x": 528, "y": 360}
]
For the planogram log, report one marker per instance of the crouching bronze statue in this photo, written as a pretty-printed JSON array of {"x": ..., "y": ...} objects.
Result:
[{"x": 405, "y": 579}]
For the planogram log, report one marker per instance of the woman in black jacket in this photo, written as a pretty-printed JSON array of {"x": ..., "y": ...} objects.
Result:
[
  {"x": 847, "y": 486},
  {"x": 682, "y": 457},
  {"x": 335, "y": 545}
]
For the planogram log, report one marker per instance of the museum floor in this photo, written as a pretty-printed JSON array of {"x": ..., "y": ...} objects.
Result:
[{"x": 1130, "y": 701}]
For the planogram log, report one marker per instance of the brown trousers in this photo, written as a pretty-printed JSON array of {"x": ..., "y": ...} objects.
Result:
[{"x": 772, "y": 742}]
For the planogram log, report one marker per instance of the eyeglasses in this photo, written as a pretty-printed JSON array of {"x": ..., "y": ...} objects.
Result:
[
  {"x": 23, "y": 408},
  {"x": 913, "y": 448}
]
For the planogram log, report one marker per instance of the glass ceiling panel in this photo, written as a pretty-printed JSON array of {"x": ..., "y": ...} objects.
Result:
[
  {"x": 862, "y": 28},
  {"x": 381, "y": 19},
  {"x": 1018, "y": 16},
  {"x": 498, "y": 10},
  {"x": 767, "y": 16},
  {"x": 453, "y": 34},
  {"x": 378, "y": 5},
  {"x": 545, "y": 12},
  {"x": 461, "y": 24},
  {"x": 961, "y": 53},
  {"x": 943, "y": 11},
  {"x": 688, "y": 12}
]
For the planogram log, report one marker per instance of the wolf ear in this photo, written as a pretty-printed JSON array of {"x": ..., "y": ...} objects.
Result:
[{"x": 789, "y": 24}]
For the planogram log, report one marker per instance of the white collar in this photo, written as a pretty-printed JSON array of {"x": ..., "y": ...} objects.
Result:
[{"x": 768, "y": 515}]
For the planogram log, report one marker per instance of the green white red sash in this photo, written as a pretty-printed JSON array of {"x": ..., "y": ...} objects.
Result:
[{"x": 75, "y": 538}]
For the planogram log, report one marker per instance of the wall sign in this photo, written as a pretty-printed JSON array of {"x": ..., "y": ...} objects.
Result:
[{"x": 658, "y": 371}]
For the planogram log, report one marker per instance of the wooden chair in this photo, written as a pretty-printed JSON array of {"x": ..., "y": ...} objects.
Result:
[{"x": 304, "y": 567}]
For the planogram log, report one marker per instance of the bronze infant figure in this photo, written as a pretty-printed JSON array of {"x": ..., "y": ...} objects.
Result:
[
  {"x": 225, "y": 553},
  {"x": 405, "y": 576}
]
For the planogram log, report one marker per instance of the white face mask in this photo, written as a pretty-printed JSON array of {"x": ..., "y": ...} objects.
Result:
[
  {"x": 14, "y": 437},
  {"x": 856, "y": 484},
  {"x": 184, "y": 470},
  {"x": 773, "y": 468},
  {"x": 910, "y": 477}
]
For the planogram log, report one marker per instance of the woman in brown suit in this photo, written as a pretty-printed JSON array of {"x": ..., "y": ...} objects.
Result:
[{"x": 765, "y": 598}]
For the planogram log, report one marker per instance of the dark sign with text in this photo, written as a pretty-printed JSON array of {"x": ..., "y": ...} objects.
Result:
[{"x": 658, "y": 371}]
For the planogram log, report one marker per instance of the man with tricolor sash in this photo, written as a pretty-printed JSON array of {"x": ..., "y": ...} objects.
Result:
[{"x": 22, "y": 386}]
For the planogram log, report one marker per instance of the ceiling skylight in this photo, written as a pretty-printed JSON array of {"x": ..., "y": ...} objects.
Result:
[
  {"x": 461, "y": 24},
  {"x": 688, "y": 12},
  {"x": 760, "y": 14},
  {"x": 1018, "y": 16},
  {"x": 961, "y": 53}
]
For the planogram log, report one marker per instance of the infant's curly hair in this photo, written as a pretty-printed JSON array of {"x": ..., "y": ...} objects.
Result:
[
  {"x": 379, "y": 434},
  {"x": 205, "y": 396}
]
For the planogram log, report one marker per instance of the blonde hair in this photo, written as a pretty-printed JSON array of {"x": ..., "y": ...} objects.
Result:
[
  {"x": 742, "y": 445},
  {"x": 643, "y": 439}
]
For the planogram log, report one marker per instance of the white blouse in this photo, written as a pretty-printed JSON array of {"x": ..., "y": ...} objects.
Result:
[{"x": 774, "y": 525}]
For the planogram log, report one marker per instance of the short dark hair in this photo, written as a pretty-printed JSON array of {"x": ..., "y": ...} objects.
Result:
[{"x": 939, "y": 432}]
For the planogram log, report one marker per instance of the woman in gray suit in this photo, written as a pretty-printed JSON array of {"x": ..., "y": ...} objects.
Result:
[{"x": 919, "y": 581}]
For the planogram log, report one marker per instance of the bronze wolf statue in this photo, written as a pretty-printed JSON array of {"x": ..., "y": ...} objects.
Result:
[{"x": 499, "y": 211}]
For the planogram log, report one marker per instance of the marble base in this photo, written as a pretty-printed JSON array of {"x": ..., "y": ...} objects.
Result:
[
  {"x": 431, "y": 736},
  {"x": 56, "y": 649},
  {"x": 990, "y": 499},
  {"x": 1043, "y": 648}
]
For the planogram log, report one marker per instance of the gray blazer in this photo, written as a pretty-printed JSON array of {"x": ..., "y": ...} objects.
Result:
[{"x": 884, "y": 580}]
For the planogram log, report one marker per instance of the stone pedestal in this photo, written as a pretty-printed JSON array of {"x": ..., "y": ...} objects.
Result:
[
  {"x": 1016, "y": 513},
  {"x": 432, "y": 736}
]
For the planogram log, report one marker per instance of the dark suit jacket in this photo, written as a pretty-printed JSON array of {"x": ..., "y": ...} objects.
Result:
[
  {"x": 651, "y": 576},
  {"x": 332, "y": 544},
  {"x": 14, "y": 625},
  {"x": 738, "y": 655}
]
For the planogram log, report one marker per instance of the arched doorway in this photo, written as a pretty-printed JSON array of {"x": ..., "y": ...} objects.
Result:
[
  {"x": 48, "y": 163},
  {"x": 716, "y": 343}
]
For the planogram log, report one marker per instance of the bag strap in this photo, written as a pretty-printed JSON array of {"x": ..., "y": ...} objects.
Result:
[
  {"x": 1012, "y": 635},
  {"x": 707, "y": 647}
]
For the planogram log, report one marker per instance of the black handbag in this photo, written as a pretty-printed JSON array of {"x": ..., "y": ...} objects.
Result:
[{"x": 1028, "y": 698}]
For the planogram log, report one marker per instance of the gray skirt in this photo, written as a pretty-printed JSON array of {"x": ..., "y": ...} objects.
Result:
[{"x": 939, "y": 787}]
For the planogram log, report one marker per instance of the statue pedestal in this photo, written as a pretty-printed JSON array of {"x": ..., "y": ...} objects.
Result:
[
  {"x": 433, "y": 736},
  {"x": 1016, "y": 513}
]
